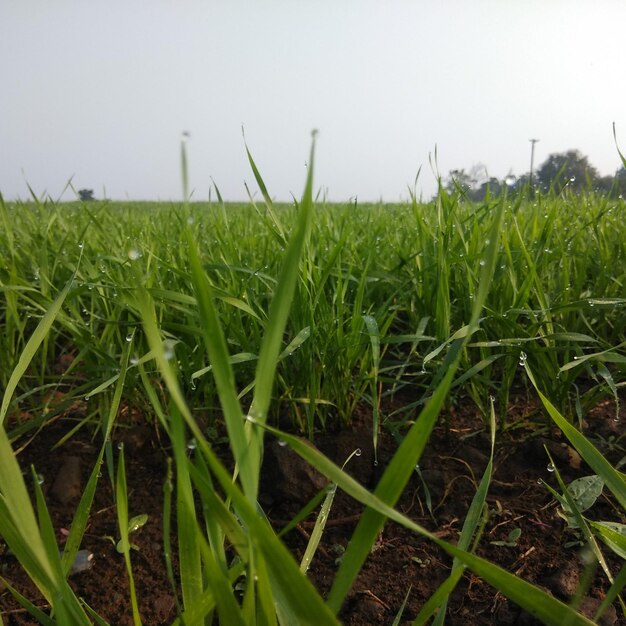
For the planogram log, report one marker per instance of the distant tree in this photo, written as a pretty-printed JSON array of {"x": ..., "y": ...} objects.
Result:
[
  {"x": 86, "y": 195},
  {"x": 459, "y": 180},
  {"x": 570, "y": 169},
  {"x": 492, "y": 187},
  {"x": 475, "y": 184},
  {"x": 614, "y": 185}
]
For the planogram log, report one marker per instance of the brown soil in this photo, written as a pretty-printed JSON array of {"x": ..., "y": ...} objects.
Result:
[{"x": 546, "y": 553}]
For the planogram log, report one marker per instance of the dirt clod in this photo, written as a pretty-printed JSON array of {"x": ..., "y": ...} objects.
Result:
[{"x": 67, "y": 485}]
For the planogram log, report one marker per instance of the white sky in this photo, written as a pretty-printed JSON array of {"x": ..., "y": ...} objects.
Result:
[{"x": 101, "y": 91}]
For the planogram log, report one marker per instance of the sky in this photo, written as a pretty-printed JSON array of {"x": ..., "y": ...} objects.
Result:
[{"x": 101, "y": 93}]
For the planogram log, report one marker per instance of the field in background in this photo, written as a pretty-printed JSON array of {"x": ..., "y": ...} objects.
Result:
[
  {"x": 148, "y": 310},
  {"x": 381, "y": 293}
]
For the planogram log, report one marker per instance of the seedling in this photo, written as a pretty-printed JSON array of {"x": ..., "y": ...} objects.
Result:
[
  {"x": 134, "y": 523},
  {"x": 511, "y": 540}
]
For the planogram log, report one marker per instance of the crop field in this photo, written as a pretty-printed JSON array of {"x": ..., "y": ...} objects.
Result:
[{"x": 230, "y": 413}]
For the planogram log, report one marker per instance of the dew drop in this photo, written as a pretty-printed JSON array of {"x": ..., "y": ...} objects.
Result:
[
  {"x": 134, "y": 254},
  {"x": 550, "y": 467},
  {"x": 510, "y": 180},
  {"x": 129, "y": 337},
  {"x": 81, "y": 245},
  {"x": 282, "y": 443},
  {"x": 168, "y": 349},
  {"x": 40, "y": 479},
  {"x": 358, "y": 452},
  {"x": 192, "y": 444},
  {"x": 87, "y": 398},
  {"x": 482, "y": 262},
  {"x": 120, "y": 445},
  {"x": 522, "y": 358}
]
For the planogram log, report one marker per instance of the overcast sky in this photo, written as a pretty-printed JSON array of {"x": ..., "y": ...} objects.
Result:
[{"x": 102, "y": 90}]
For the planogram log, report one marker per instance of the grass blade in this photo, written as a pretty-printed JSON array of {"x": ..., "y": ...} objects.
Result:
[
  {"x": 121, "y": 502},
  {"x": 28, "y": 353},
  {"x": 277, "y": 320},
  {"x": 613, "y": 479}
]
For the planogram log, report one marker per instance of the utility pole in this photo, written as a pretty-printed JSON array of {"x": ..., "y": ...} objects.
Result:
[{"x": 532, "y": 162}]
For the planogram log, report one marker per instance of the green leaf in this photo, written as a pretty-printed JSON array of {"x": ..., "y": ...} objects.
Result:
[
  {"x": 585, "y": 491},
  {"x": 28, "y": 353},
  {"x": 613, "y": 534},
  {"x": 613, "y": 479}
]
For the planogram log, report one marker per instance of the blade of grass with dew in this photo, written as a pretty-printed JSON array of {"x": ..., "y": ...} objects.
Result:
[
  {"x": 40, "y": 333},
  {"x": 613, "y": 479},
  {"x": 121, "y": 502},
  {"x": 219, "y": 358},
  {"x": 81, "y": 516},
  {"x": 534, "y": 600},
  {"x": 320, "y": 523},
  {"x": 145, "y": 306},
  {"x": 295, "y": 343},
  {"x": 613, "y": 534},
  {"x": 398, "y": 472},
  {"x": 178, "y": 408},
  {"x": 266, "y": 196},
  {"x": 277, "y": 320},
  {"x": 318, "y": 530},
  {"x": 234, "y": 359},
  {"x": 581, "y": 523}
]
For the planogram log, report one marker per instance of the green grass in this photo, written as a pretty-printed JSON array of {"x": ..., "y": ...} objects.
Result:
[{"x": 250, "y": 313}]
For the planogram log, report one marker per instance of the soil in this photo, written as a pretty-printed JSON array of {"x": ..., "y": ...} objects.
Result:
[{"x": 546, "y": 553}]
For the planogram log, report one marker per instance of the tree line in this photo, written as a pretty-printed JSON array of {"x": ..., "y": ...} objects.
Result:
[{"x": 564, "y": 170}]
